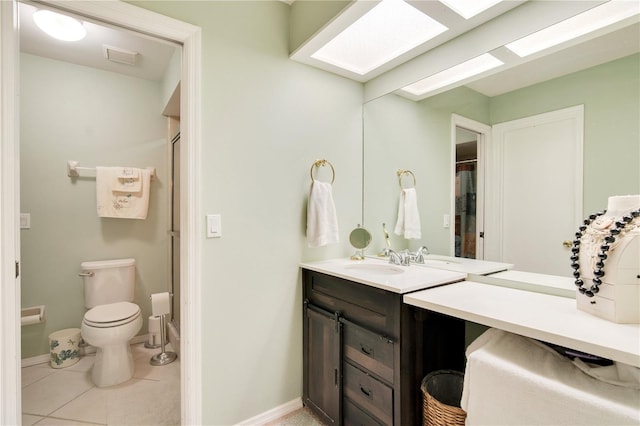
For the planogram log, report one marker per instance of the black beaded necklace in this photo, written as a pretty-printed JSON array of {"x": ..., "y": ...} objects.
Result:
[{"x": 598, "y": 272}]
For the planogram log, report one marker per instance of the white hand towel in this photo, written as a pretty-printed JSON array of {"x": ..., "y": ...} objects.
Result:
[
  {"x": 128, "y": 180},
  {"x": 118, "y": 204},
  {"x": 322, "y": 221},
  {"x": 408, "y": 223}
]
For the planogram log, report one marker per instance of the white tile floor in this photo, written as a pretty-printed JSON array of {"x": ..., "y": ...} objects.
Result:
[{"x": 68, "y": 397}]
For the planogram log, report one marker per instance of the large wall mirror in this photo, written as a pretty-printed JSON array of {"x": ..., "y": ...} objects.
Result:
[{"x": 420, "y": 136}]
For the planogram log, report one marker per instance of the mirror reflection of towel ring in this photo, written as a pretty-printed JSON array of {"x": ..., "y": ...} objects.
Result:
[
  {"x": 401, "y": 173},
  {"x": 322, "y": 163}
]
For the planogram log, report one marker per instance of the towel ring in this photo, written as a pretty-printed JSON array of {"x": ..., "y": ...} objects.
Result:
[
  {"x": 322, "y": 163},
  {"x": 401, "y": 173}
]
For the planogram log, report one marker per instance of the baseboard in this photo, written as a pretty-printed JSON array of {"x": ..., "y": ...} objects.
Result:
[
  {"x": 42, "y": 359},
  {"x": 274, "y": 413}
]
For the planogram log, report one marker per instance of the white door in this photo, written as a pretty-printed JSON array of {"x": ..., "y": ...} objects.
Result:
[{"x": 535, "y": 187}]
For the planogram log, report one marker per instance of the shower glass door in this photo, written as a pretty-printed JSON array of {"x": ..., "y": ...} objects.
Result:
[{"x": 175, "y": 230}]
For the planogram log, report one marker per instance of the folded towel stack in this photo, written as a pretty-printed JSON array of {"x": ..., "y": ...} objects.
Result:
[
  {"x": 408, "y": 223},
  {"x": 122, "y": 192},
  {"x": 322, "y": 221}
]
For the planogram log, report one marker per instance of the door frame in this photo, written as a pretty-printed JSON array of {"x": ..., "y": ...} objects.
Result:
[
  {"x": 484, "y": 140},
  {"x": 144, "y": 21}
]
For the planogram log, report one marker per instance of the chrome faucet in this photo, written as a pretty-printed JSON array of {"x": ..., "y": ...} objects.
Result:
[
  {"x": 418, "y": 256},
  {"x": 403, "y": 258},
  {"x": 395, "y": 257}
]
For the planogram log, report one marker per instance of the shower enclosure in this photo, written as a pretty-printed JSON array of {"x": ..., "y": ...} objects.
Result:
[{"x": 174, "y": 232}]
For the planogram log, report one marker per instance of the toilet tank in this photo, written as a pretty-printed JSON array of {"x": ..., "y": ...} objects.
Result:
[{"x": 108, "y": 281}]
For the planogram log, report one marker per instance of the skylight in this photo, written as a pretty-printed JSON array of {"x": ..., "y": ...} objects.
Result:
[
  {"x": 454, "y": 74},
  {"x": 469, "y": 8},
  {"x": 584, "y": 23},
  {"x": 388, "y": 30}
]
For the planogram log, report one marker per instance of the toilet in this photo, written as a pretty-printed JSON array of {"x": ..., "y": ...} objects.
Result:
[{"x": 112, "y": 319}]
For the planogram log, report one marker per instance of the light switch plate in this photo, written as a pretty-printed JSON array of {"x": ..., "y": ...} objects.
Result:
[
  {"x": 447, "y": 221},
  {"x": 25, "y": 221},
  {"x": 214, "y": 226}
]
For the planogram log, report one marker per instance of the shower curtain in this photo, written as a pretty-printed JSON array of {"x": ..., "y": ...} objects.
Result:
[{"x": 465, "y": 231}]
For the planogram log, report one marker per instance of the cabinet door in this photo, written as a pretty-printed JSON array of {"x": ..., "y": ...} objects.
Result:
[{"x": 322, "y": 366}]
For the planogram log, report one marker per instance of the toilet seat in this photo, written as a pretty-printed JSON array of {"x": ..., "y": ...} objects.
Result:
[{"x": 112, "y": 315}]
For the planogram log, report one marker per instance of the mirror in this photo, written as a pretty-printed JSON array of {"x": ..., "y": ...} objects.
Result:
[
  {"x": 360, "y": 239},
  {"x": 400, "y": 133}
]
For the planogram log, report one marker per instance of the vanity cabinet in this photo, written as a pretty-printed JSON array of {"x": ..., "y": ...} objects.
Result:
[{"x": 366, "y": 352}]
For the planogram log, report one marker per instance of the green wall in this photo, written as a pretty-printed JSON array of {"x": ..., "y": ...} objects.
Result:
[
  {"x": 611, "y": 96},
  {"x": 265, "y": 119},
  {"x": 100, "y": 119}
]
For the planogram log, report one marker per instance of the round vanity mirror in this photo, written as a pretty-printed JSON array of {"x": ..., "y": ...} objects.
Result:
[{"x": 360, "y": 239}]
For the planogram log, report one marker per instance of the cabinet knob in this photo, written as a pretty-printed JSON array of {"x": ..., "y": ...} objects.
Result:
[{"x": 567, "y": 243}]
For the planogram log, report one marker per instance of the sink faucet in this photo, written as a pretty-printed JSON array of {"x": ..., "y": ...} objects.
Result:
[
  {"x": 403, "y": 258},
  {"x": 418, "y": 256},
  {"x": 394, "y": 257}
]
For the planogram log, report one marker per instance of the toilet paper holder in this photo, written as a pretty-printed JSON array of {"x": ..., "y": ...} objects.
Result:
[{"x": 164, "y": 357}]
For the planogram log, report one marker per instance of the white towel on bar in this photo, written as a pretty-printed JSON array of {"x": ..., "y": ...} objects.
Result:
[
  {"x": 322, "y": 221},
  {"x": 112, "y": 202},
  {"x": 408, "y": 223}
]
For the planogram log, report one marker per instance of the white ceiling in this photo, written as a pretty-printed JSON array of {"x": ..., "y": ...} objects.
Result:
[
  {"x": 487, "y": 32},
  {"x": 154, "y": 54},
  {"x": 600, "y": 50},
  {"x": 152, "y": 60}
]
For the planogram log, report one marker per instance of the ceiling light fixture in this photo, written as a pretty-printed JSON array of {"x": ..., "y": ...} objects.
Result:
[
  {"x": 468, "y": 9},
  {"x": 388, "y": 30},
  {"x": 576, "y": 26},
  {"x": 457, "y": 73},
  {"x": 61, "y": 27}
]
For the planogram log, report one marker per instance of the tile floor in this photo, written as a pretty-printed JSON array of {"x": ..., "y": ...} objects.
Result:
[{"x": 68, "y": 397}]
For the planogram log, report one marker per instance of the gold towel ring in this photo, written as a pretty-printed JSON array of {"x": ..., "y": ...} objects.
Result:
[
  {"x": 405, "y": 172},
  {"x": 322, "y": 163}
]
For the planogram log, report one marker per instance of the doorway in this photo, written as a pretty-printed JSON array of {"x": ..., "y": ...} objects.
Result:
[
  {"x": 136, "y": 19},
  {"x": 469, "y": 139},
  {"x": 465, "y": 223}
]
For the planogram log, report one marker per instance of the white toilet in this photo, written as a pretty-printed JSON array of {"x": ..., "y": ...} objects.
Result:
[{"x": 112, "y": 320}]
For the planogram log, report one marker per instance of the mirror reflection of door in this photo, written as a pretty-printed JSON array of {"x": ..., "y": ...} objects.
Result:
[{"x": 466, "y": 189}]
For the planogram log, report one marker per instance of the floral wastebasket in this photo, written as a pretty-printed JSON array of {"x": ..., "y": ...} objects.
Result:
[{"x": 65, "y": 347}]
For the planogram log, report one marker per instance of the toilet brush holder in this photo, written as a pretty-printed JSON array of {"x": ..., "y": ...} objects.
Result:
[{"x": 164, "y": 357}]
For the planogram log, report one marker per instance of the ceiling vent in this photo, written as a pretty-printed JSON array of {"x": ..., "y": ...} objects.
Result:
[{"x": 115, "y": 54}]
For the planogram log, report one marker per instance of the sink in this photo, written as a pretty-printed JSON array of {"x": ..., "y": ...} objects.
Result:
[{"x": 379, "y": 269}]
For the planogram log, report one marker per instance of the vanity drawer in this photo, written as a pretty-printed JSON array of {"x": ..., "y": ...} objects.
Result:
[
  {"x": 368, "y": 306},
  {"x": 370, "y": 394},
  {"x": 372, "y": 351},
  {"x": 354, "y": 416}
]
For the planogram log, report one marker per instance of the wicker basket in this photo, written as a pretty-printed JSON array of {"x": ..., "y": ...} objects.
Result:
[{"x": 441, "y": 393}]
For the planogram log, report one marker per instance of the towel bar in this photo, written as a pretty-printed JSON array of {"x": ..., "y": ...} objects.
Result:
[
  {"x": 73, "y": 169},
  {"x": 322, "y": 163},
  {"x": 401, "y": 173}
]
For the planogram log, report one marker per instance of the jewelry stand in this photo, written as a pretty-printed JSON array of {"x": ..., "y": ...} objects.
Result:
[{"x": 163, "y": 358}]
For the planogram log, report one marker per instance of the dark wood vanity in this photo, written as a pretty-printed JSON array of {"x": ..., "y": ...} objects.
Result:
[{"x": 366, "y": 352}]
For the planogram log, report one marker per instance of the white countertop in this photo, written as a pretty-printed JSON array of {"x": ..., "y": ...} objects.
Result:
[
  {"x": 381, "y": 274},
  {"x": 462, "y": 264},
  {"x": 546, "y": 317},
  {"x": 539, "y": 283}
]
